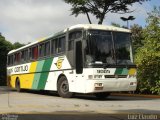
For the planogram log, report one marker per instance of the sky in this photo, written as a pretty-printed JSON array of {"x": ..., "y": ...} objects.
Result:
[{"x": 26, "y": 21}]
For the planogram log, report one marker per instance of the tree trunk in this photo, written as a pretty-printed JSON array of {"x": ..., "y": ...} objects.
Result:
[
  {"x": 101, "y": 18},
  {"x": 88, "y": 18},
  {"x": 87, "y": 15}
]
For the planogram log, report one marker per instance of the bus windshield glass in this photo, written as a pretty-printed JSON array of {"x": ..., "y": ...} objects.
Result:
[{"x": 104, "y": 47}]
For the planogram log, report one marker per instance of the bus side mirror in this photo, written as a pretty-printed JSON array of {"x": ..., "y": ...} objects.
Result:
[{"x": 79, "y": 58}]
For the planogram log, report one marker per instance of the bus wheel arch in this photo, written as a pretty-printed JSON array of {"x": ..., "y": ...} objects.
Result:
[
  {"x": 63, "y": 87},
  {"x": 18, "y": 84}
]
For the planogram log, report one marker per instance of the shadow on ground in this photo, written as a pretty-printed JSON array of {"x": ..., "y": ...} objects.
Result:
[
  {"x": 5, "y": 90},
  {"x": 89, "y": 96}
]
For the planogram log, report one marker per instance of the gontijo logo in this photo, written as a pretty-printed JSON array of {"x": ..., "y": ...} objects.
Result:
[{"x": 59, "y": 62}]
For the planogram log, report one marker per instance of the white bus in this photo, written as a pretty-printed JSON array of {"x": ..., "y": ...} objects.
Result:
[{"x": 84, "y": 58}]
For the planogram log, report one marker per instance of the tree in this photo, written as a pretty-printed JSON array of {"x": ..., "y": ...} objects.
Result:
[
  {"x": 17, "y": 45},
  {"x": 5, "y": 47},
  {"x": 99, "y": 8},
  {"x": 118, "y": 25},
  {"x": 148, "y": 56},
  {"x": 137, "y": 37},
  {"x": 115, "y": 24},
  {"x": 127, "y": 19}
]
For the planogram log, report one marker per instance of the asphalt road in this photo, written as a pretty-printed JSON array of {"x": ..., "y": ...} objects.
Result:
[{"x": 46, "y": 106}]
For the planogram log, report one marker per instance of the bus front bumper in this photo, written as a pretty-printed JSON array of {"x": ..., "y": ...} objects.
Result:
[{"x": 112, "y": 85}]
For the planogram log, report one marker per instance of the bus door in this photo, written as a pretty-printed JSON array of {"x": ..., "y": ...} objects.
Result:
[{"x": 78, "y": 58}]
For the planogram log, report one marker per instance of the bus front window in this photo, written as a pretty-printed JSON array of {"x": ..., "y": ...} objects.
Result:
[
  {"x": 122, "y": 48},
  {"x": 101, "y": 49}
]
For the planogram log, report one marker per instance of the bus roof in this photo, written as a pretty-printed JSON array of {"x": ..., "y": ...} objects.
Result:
[
  {"x": 100, "y": 27},
  {"x": 79, "y": 26}
]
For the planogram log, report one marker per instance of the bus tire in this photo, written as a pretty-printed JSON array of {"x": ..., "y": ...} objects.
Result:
[
  {"x": 18, "y": 85},
  {"x": 63, "y": 88},
  {"x": 102, "y": 95}
]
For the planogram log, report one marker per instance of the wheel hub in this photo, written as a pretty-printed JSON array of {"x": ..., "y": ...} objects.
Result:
[{"x": 64, "y": 87}]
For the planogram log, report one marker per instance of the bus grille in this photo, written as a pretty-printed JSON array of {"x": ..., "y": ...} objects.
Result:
[{"x": 115, "y": 76}]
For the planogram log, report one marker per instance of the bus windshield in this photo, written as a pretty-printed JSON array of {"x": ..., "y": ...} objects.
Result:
[{"x": 104, "y": 47}]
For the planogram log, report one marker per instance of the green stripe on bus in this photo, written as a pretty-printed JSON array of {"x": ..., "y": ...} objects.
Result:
[
  {"x": 37, "y": 75},
  {"x": 44, "y": 75},
  {"x": 118, "y": 71},
  {"x": 125, "y": 71},
  {"x": 121, "y": 71}
]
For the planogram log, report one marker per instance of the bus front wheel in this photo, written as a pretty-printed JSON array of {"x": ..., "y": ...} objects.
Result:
[
  {"x": 102, "y": 95},
  {"x": 63, "y": 88}
]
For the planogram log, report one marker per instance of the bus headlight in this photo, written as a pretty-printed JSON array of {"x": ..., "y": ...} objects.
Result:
[
  {"x": 133, "y": 83},
  {"x": 98, "y": 84}
]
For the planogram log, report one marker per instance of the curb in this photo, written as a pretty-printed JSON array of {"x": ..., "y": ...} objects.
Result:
[{"x": 136, "y": 95}]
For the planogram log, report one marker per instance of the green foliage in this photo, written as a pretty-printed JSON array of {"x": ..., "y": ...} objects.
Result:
[
  {"x": 99, "y": 8},
  {"x": 148, "y": 56},
  {"x": 5, "y": 47},
  {"x": 137, "y": 37},
  {"x": 17, "y": 45},
  {"x": 115, "y": 24},
  {"x": 148, "y": 75}
]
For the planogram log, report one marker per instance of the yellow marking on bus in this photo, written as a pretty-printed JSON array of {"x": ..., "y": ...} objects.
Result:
[
  {"x": 132, "y": 71},
  {"x": 27, "y": 79},
  {"x": 59, "y": 63},
  {"x": 13, "y": 81},
  {"x": 33, "y": 67},
  {"x": 30, "y": 76}
]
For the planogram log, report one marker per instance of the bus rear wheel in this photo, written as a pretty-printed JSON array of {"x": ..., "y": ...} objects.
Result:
[
  {"x": 102, "y": 95},
  {"x": 63, "y": 88},
  {"x": 18, "y": 86}
]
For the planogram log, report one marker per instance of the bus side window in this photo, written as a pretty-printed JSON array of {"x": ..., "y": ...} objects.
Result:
[
  {"x": 16, "y": 58},
  {"x": 34, "y": 53},
  {"x": 30, "y": 53},
  {"x": 58, "y": 45},
  {"x": 47, "y": 48},
  {"x": 53, "y": 46},
  {"x": 10, "y": 60},
  {"x": 24, "y": 55},
  {"x": 61, "y": 44},
  {"x": 41, "y": 50},
  {"x": 72, "y": 36}
]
